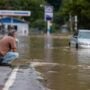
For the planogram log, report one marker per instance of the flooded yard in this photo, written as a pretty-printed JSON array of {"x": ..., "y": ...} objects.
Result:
[{"x": 62, "y": 67}]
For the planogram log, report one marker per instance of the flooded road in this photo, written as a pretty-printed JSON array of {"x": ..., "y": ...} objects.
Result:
[
  {"x": 62, "y": 67},
  {"x": 47, "y": 63}
]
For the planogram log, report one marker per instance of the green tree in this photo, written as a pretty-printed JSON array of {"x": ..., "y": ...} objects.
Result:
[
  {"x": 81, "y": 8},
  {"x": 31, "y": 5},
  {"x": 55, "y": 3}
]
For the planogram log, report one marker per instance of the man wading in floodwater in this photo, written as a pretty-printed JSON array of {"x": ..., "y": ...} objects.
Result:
[{"x": 8, "y": 49}]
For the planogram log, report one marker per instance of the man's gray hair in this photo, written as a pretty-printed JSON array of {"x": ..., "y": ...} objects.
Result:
[{"x": 11, "y": 33}]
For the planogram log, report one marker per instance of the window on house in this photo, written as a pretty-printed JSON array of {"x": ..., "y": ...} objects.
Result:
[
  {"x": 12, "y": 27},
  {"x": 15, "y": 27}
]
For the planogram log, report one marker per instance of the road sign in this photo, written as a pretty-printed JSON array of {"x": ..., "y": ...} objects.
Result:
[
  {"x": 48, "y": 13},
  {"x": 14, "y": 13}
]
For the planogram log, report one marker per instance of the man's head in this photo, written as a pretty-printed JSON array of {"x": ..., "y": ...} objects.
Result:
[{"x": 12, "y": 33}]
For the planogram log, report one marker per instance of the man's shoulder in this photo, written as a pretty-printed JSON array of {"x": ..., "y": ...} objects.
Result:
[{"x": 9, "y": 38}]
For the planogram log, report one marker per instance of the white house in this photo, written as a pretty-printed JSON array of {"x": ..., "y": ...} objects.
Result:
[{"x": 22, "y": 27}]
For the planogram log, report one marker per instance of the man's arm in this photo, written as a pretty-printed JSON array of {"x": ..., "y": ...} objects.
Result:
[
  {"x": 14, "y": 49},
  {"x": 13, "y": 45}
]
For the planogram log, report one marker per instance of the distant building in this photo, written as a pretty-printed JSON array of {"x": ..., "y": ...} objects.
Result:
[
  {"x": 20, "y": 26},
  {"x": 64, "y": 28}
]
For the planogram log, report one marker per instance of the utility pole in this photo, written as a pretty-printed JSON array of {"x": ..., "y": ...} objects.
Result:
[
  {"x": 75, "y": 18},
  {"x": 71, "y": 19},
  {"x": 70, "y": 22}
]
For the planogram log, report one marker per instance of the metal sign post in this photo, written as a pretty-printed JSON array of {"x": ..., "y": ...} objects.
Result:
[{"x": 48, "y": 17}]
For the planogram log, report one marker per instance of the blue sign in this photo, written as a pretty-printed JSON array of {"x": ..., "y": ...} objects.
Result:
[
  {"x": 14, "y": 13},
  {"x": 48, "y": 13},
  {"x": 48, "y": 17}
]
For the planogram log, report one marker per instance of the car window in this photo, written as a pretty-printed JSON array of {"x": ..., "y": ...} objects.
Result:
[{"x": 84, "y": 35}]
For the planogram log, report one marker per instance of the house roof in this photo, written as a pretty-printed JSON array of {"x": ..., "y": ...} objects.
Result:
[{"x": 9, "y": 20}]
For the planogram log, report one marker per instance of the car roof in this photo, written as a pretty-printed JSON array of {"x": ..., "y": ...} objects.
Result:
[{"x": 84, "y": 30}]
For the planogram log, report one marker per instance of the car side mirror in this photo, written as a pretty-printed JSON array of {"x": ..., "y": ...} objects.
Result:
[{"x": 75, "y": 36}]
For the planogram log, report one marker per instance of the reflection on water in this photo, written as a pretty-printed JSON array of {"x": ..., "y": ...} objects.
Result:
[
  {"x": 84, "y": 56},
  {"x": 23, "y": 46},
  {"x": 47, "y": 48},
  {"x": 23, "y": 49},
  {"x": 83, "y": 65},
  {"x": 62, "y": 67}
]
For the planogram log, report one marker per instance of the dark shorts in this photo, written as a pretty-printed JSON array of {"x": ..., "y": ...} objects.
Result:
[{"x": 1, "y": 59}]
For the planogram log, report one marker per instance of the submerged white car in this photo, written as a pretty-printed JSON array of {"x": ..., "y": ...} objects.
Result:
[{"x": 80, "y": 39}]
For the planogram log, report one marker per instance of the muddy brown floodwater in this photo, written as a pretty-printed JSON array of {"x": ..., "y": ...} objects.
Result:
[{"x": 62, "y": 67}]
